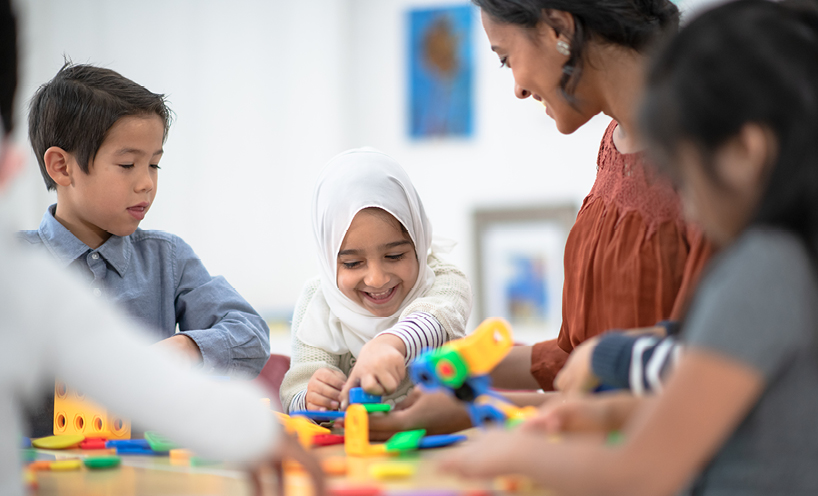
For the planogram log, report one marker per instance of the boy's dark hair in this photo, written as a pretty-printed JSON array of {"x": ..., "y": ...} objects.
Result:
[
  {"x": 750, "y": 61},
  {"x": 8, "y": 65},
  {"x": 75, "y": 110},
  {"x": 633, "y": 24}
]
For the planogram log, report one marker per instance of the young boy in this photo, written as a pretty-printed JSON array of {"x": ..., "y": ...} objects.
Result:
[
  {"x": 98, "y": 138},
  {"x": 50, "y": 327}
]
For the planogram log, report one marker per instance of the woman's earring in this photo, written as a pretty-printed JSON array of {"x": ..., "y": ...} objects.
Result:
[{"x": 563, "y": 48}]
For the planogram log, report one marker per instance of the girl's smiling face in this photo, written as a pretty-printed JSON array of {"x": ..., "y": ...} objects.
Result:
[{"x": 377, "y": 265}]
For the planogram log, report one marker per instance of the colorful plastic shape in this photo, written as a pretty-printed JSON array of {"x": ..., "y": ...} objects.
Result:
[
  {"x": 377, "y": 407},
  {"x": 30, "y": 479},
  {"x": 128, "y": 443},
  {"x": 158, "y": 442},
  {"x": 440, "y": 441},
  {"x": 40, "y": 465},
  {"x": 405, "y": 441},
  {"x": 74, "y": 414},
  {"x": 334, "y": 465},
  {"x": 180, "y": 456},
  {"x": 359, "y": 490},
  {"x": 383, "y": 471},
  {"x": 66, "y": 465},
  {"x": 25, "y": 443},
  {"x": 93, "y": 444},
  {"x": 356, "y": 433},
  {"x": 358, "y": 395},
  {"x": 102, "y": 462},
  {"x": 327, "y": 439},
  {"x": 317, "y": 415},
  {"x": 58, "y": 442},
  {"x": 198, "y": 461},
  {"x": 304, "y": 428}
]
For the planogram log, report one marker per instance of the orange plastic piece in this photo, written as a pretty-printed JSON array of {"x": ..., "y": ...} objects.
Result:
[
  {"x": 356, "y": 433},
  {"x": 335, "y": 465},
  {"x": 40, "y": 465},
  {"x": 74, "y": 414},
  {"x": 511, "y": 411},
  {"x": 483, "y": 349},
  {"x": 180, "y": 456},
  {"x": 30, "y": 479}
]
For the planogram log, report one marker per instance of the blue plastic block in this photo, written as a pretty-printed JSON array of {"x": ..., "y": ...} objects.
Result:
[
  {"x": 358, "y": 395},
  {"x": 128, "y": 444},
  {"x": 318, "y": 415},
  {"x": 132, "y": 450},
  {"x": 441, "y": 440},
  {"x": 25, "y": 442}
]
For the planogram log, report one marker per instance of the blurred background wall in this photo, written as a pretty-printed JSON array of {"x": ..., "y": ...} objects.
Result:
[{"x": 265, "y": 92}]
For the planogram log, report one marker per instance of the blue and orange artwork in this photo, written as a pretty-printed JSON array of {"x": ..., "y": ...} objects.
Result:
[{"x": 441, "y": 72}]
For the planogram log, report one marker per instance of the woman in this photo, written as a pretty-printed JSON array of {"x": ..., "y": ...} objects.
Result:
[{"x": 630, "y": 258}]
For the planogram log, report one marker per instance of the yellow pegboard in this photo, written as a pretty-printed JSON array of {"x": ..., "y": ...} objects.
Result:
[{"x": 75, "y": 414}]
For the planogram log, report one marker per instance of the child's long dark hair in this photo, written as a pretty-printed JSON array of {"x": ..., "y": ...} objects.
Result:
[{"x": 750, "y": 61}]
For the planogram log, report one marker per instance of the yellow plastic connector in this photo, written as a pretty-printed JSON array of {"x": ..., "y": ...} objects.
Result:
[
  {"x": 356, "y": 433},
  {"x": 303, "y": 427},
  {"x": 483, "y": 349},
  {"x": 74, "y": 414}
]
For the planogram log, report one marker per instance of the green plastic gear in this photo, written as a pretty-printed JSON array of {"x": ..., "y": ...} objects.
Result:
[{"x": 458, "y": 369}]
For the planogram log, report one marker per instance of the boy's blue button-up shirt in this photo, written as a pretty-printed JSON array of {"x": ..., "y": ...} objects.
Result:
[{"x": 160, "y": 281}]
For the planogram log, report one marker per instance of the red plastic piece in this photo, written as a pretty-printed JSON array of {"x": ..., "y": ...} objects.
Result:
[
  {"x": 92, "y": 444},
  {"x": 327, "y": 439},
  {"x": 354, "y": 491}
]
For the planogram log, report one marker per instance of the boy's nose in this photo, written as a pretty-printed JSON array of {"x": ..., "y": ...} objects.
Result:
[{"x": 145, "y": 183}]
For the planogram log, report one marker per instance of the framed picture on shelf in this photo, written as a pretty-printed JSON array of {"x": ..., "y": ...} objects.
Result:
[{"x": 519, "y": 256}]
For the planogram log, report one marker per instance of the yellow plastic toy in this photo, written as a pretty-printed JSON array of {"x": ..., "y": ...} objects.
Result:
[
  {"x": 356, "y": 433},
  {"x": 58, "y": 442},
  {"x": 66, "y": 465},
  {"x": 74, "y": 414},
  {"x": 383, "y": 471},
  {"x": 303, "y": 427}
]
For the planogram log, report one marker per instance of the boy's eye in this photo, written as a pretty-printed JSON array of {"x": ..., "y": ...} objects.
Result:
[
  {"x": 155, "y": 166},
  {"x": 504, "y": 62},
  {"x": 126, "y": 166}
]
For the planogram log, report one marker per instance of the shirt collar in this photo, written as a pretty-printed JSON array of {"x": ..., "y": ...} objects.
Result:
[{"x": 66, "y": 247}]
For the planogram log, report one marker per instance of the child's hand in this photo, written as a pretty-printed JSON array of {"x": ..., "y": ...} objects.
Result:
[
  {"x": 324, "y": 389},
  {"x": 290, "y": 450},
  {"x": 600, "y": 413},
  {"x": 380, "y": 367},
  {"x": 577, "y": 376}
]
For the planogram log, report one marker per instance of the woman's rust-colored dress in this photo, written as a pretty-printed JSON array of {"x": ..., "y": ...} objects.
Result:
[{"x": 630, "y": 260}]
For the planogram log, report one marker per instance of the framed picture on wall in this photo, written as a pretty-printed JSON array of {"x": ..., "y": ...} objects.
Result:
[
  {"x": 519, "y": 256},
  {"x": 440, "y": 72}
]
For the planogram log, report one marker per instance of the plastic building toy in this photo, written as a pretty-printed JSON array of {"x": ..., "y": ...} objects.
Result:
[
  {"x": 335, "y": 465},
  {"x": 74, "y": 414},
  {"x": 440, "y": 441},
  {"x": 302, "y": 427},
  {"x": 392, "y": 471},
  {"x": 318, "y": 415},
  {"x": 327, "y": 439},
  {"x": 93, "y": 443},
  {"x": 377, "y": 407},
  {"x": 354, "y": 491},
  {"x": 405, "y": 441},
  {"x": 461, "y": 368},
  {"x": 58, "y": 442},
  {"x": 358, "y": 395},
  {"x": 102, "y": 462},
  {"x": 356, "y": 433},
  {"x": 66, "y": 465},
  {"x": 158, "y": 442},
  {"x": 180, "y": 456}
]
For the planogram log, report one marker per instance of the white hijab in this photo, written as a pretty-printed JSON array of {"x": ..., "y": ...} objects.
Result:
[{"x": 350, "y": 182}]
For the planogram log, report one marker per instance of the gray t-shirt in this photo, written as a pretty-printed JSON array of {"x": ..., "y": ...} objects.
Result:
[{"x": 758, "y": 305}]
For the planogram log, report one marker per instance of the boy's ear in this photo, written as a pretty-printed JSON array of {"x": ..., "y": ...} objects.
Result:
[{"x": 60, "y": 165}]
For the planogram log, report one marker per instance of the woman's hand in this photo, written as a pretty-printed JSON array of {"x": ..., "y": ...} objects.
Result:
[
  {"x": 324, "y": 389},
  {"x": 379, "y": 369},
  {"x": 600, "y": 413},
  {"x": 438, "y": 413},
  {"x": 577, "y": 376}
]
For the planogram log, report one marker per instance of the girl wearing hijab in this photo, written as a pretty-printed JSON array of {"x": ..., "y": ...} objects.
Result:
[{"x": 382, "y": 296}]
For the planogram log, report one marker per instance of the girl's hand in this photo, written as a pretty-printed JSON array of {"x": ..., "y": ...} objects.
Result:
[
  {"x": 379, "y": 369},
  {"x": 496, "y": 452},
  {"x": 287, "y": 449},
  {"x": 324, "y": 389},
  {"x": 577, "y": 376}
]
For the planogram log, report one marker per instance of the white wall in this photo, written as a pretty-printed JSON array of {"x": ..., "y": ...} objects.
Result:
[{"x": 265, "y": 92}]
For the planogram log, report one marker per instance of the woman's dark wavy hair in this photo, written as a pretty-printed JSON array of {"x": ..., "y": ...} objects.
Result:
[
  {"x": 634, "y": 24},
  {"x": 750, "y": 61}
]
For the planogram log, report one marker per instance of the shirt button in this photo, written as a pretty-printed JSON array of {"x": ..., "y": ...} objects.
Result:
[
  {"x": 97, "y": 292},
  {"x": 95, "y": 256}
]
